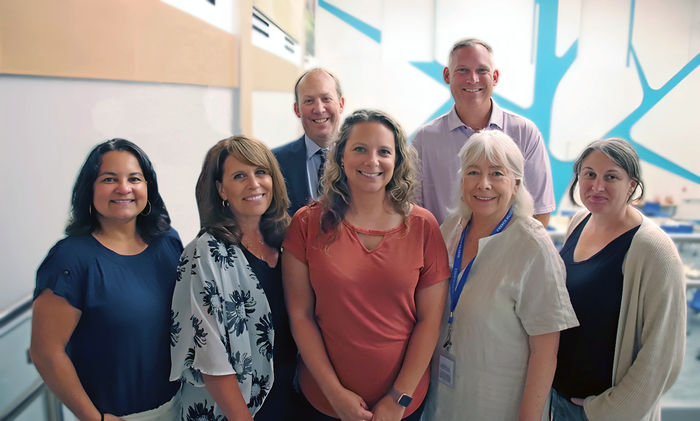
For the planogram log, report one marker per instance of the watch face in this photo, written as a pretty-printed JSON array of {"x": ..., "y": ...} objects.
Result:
[{"x": 405, "y": 400}]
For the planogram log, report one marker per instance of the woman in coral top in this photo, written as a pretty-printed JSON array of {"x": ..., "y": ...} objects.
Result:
[{"x": 364, "y": 275}]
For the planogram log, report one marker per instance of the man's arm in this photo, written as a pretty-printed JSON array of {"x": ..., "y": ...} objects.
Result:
[
  {"x": 538, "y": 173},
  {"x": 543, "y": 218},
  {"x": 416, "y": 145}
]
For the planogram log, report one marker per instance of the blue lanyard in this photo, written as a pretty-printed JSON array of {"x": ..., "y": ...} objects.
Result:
[{"x": 457, "y": 287}]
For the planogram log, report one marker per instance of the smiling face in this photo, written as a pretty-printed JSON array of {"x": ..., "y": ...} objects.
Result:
[
  {"x": 319, "y": 107},
  {"x": 120, "y": 190},
  {"x": 604, "y": 186},
  {"x": 369, "y": 158},
  {"x": 471, "y": 75},
  {"x": 248, "y": 188},
  {"x": 488, "y": 190}
]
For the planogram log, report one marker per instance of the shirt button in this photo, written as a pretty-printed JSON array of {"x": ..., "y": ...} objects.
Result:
[{"x": 65, "y": 272}]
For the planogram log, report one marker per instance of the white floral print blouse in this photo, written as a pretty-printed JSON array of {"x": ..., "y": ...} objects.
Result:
[{"x": 221, "y": 325}]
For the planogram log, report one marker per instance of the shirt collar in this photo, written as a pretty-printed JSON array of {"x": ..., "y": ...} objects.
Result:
[
  {"x": 311, "y": 147},
  {"x": 495, "y": 121}
]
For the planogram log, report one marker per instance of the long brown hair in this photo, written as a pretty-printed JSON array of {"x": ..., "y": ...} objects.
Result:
[
  {"x": 218, "y": 220},
  {"x": 336, "y": 192}
]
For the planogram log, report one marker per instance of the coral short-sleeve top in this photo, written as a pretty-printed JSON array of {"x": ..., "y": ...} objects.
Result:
[{"x": 365, "y": 299}]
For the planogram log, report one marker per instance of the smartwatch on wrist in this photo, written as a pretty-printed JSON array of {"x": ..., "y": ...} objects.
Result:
[{"x": 401, "y": 398}]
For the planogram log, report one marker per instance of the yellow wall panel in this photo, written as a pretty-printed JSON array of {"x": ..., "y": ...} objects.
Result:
[
  {"x": 138, "y": 40},
  {"x": 272, "y": 73}
]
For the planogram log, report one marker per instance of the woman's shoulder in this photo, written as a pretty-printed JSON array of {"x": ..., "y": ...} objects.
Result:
[
  {"x": 170, "y": 238},
  {"x": 451, "y": 227},
  {"x": 301, "y": 221},
  {"x": 315, "y": 209},
  {"x": 424, "y": 215},
  {"x": 576, "y": 220},
  {"x": 651, "y": 242},
  {"x": 202, "y": 240},
  {"x": 73, "y": 248},
  {"x": 533, "y": 236},
  {"x": 172, "y": 234},
  {"x": 71, "y": 257}
]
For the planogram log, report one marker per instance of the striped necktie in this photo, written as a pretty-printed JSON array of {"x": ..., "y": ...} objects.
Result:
[{"x": 322, "y": 153}]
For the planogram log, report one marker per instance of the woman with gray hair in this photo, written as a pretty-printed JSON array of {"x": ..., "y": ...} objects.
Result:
[
  {"x": 626, "y": 283},
  {"x": 497, "y": 350}
]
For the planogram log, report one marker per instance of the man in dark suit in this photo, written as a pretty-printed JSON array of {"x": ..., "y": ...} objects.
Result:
[{"x": 318, "y": 103}]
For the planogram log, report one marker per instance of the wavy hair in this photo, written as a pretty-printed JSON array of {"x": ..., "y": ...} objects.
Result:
[
  {"x": 499, "y": 149},
  {"x": 622, "y": 153},
  {"x": 83, "y": 218},
  {"x": 401, "y": 188},
  {"x": 218, "y": 220}
]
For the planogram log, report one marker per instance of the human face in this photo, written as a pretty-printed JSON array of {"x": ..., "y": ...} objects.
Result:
[
  {"x": 369, "y": 158},
  {"x": 604, "y": 186},
  {"x": 120, "y": 192},
  {"x": 489, "y": 190},
  {"x": 471, "y": 75},
  {"x": 248, "y": 188},
  {"x": 319, "y": 107}
]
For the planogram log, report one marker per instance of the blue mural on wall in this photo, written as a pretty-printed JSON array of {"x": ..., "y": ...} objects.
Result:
[{"x": 550, "y": 70}]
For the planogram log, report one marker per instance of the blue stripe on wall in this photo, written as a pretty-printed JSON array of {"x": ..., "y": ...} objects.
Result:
[
  {"x": 629, "y": 40},
  {"x": 363, "y": 27}
]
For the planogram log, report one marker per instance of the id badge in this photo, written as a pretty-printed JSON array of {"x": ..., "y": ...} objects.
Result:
[{"x": 446, "y": 368}]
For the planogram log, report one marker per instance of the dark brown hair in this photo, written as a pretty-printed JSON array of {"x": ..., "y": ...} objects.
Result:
[
  {"x": 83, "y": 219},
  {"x": 218, "y": 220}
]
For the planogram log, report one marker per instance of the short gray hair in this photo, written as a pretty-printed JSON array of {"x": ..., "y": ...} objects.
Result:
[
  {"x": 622, "y": 153},
  {"x": 338, "y": 90},
  {"x": 468, "y": 42},
  {"x": 499, "y": 149}
]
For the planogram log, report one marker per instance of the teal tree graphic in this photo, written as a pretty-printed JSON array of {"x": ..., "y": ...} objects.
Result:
[{"x": 550, "y": 70}]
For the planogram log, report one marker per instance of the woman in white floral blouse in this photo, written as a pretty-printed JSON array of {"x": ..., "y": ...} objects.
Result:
[{"x": 229, "y": 294}]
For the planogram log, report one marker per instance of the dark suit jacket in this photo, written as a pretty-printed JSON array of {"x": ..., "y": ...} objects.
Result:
[{"x": 292, "y": 160}]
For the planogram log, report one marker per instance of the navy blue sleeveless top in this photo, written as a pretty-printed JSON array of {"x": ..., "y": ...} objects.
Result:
[{"x": 586, "y": 353}]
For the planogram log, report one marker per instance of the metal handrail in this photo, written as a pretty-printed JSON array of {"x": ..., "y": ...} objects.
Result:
[
  {"x": 8, "y": 315},
  {"x": 53, "y": 408},
  {"x": 17, "y": 406}
]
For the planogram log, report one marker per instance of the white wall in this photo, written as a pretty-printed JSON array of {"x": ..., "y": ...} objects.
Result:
[
  {"x": 274, "y": 121},
  {"x": 573, "y": 106},
  {"x": 47, "y": 127}
]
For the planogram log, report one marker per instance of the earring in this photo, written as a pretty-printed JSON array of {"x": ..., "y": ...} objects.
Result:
[
  {"x": 224, "y": 203},
  {"x": 150, "y": 208},
  {"x": 90, "y": 209}
]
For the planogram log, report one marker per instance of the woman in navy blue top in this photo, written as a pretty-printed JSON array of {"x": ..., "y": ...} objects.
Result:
[{"x": 101, "y": 327}]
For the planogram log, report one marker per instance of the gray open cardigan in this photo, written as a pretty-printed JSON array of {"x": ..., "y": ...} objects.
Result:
[{"x": 651, "y": 330}]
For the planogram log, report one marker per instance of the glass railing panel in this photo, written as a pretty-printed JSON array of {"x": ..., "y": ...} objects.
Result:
[
  {"x": 36, "y": 411},
  {"x": 17, "y": 373}
]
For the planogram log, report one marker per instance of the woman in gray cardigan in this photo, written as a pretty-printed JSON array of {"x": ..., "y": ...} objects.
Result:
[{"x": 626, "y": 283}]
